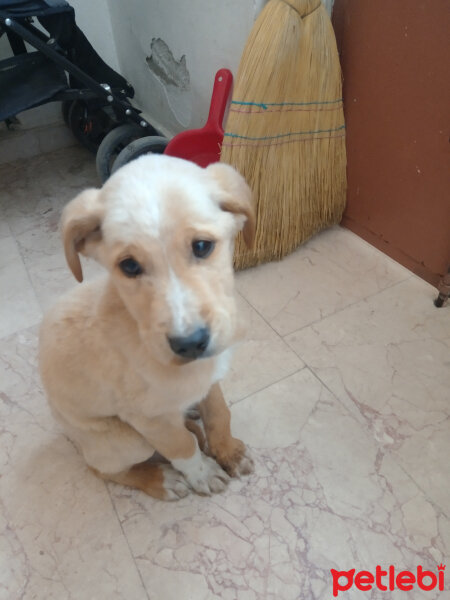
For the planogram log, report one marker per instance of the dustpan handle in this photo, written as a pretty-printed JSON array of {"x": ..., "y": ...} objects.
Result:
[{"x": 223, "y": 83}]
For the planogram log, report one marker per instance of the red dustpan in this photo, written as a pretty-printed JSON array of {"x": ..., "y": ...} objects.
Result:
[{"x": 202, "y": 146}]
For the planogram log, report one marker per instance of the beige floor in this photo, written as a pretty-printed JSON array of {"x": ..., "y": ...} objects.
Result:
[{"x": 341, "y": 390}]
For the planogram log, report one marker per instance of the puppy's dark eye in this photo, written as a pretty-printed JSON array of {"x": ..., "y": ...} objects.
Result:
[
  {"x": 202, "y": 248},
  {"x": 130, "y": 267}
]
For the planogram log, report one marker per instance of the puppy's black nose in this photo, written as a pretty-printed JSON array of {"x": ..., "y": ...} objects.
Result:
[{"x": 192, "y": 346}]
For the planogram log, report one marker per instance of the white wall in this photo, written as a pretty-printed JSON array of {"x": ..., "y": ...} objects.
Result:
[
  {"x": 210, "y": 34},
  {"x": 328, "y": 5}
]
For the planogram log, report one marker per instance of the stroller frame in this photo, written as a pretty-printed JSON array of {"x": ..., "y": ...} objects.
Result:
[{"x": 81, "y": 86}]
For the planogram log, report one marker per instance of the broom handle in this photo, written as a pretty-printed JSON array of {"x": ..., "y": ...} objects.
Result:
[{"x": 221, "y": 92}]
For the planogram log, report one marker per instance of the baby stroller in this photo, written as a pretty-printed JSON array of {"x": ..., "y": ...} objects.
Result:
[{"x": 63, "y": 67}]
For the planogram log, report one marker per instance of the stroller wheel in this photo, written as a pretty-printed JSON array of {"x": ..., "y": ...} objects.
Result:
[
  {"x": 112, "y": 145},
  {"x": 89, "y": 123},
  {"x": 146, "y": 145}
]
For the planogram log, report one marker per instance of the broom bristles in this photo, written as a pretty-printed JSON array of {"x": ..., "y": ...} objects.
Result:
[
  {"x": 303, "y": 7},
  {"x": 285, "y": 130}
]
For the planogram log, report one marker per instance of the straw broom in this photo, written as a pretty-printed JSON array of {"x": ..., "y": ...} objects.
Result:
[{"x": 285, "y": 131}]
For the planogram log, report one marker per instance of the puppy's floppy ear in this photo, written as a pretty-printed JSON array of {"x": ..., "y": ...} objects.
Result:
[
  {"x": 237, "y": 197},
  {"x": 80, "y": 225}
]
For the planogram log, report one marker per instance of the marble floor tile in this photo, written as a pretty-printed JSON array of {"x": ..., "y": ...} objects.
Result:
[
  {"x": 39, "y": 242},
  {"x": 60, "y": 537},
  {"x": 340, "y": 388},
  {"x": 262, "y": 357},
  {"x": 320, "y": 498},
  {"x": 50, "y": 274},
  {"x": 19, "y": 307},
  {"x": 4, "y": 229},
  {"x": 388, "y": 360},
  {"x": 331, "y": 271},
  {"x": 32, "y": 189},
  {"x": 274, "y": 417},
  {"x": 32, "y": 141},
  {"x": 34, "y": 211}
]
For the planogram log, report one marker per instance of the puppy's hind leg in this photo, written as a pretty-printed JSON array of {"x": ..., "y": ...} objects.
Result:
[
  {"x": 115, "y": 451},
  {"x": 161, "y": 481}
]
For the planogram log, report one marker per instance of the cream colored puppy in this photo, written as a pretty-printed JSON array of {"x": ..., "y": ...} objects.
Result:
[{"x": 124, "y": 357}]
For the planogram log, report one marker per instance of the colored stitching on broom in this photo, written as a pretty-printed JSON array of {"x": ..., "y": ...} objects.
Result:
[
  {"x": 264, "y": 105},
  {"x": 282, "y": 135},
  {"x": 279, "y": 110},
  {"x": 257, "y": 145}
]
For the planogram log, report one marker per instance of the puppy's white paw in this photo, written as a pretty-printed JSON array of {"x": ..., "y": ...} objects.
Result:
[
  {"x": 246, "y": 464},
  {"x": 203, "y": 474},
  {"x": 209, "y": 478},
  {"x": 175, "y": 484}
]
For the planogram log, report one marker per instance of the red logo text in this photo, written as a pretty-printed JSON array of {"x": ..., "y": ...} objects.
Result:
[{"x": 388, "y": 580}]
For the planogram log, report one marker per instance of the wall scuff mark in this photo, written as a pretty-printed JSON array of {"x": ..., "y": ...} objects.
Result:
[
  {"x": 168, "y": 70},
  {"x": 173, "y": 76}
]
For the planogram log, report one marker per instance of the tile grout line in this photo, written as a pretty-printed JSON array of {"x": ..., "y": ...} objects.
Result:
[
  {"x": 38, "y": 304},
  {"x": 312, "y": 370},
  {"x": 22, "y": 257},
  {"x": 335, "y": 396},
  {"x": 419, "y": 487},
  {"x": 264, "y": 319},
  {"x": 284, "y": 342},
  {"x": 21, "y": 330},
  {"x": 283, "y": 336},
  {"x": 126, "y": 539},
  {"x": 267, "y": 386},
  {"x": 16, "y": 242}
]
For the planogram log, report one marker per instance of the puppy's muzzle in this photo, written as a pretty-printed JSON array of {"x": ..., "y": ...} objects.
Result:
[{"x": 192, "y": 346}]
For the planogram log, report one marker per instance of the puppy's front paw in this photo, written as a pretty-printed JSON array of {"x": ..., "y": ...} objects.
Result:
[
  {"x": 203, "y": 474},
  {"x": 210, "y": 478},
  {"x": 234, "y": 457},
  {"x": 174, "y": 483}
]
